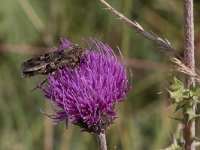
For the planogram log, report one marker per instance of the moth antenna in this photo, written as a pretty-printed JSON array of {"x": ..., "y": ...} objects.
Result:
[
  {"x": 91, "y": 49},
  {"x": 60, "y": 40}
]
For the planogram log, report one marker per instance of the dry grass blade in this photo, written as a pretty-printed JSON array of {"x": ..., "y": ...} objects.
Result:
[
  {"x": 162, "y": 44},
  {"x": 181, "y": 67},
  {"x": 32, "y": 15}
]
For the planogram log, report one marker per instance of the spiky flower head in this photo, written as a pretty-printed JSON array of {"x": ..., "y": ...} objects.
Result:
[{"x": 89, "y": 94}]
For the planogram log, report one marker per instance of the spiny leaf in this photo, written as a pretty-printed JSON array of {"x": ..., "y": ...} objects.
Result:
[
  {"x": 194, "y": 116},
  {"x": 177, "y": 119},
  {"x": 176, "y": 96},
  {"x": 180, "y": 106},
  {"x": 197, "y": 139},
  {"x": 190, "y": 113},
  {"x": 173, "y": 147},
  {"x": 177, "y": 84},
  {"x": 195, "y": 91}
]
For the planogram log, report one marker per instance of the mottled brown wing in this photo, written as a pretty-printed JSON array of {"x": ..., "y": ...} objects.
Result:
[
  {"x": 50, "y": 62},
  {"x": 40, "y": 64}
]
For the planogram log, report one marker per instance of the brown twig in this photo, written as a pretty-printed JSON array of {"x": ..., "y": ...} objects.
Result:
[
  {"x": 189, "y": 125},
  {"x": 181, "y": 67},
  {"x": 163, "y": 44}
]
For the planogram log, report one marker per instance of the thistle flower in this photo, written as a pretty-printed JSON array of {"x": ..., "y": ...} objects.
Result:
[{"x": 89, "y": 94}]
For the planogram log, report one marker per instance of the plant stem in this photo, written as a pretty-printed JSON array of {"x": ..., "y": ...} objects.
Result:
[
  {"x": 101, "y": 141},
  {"x": 189, "y": 125}
]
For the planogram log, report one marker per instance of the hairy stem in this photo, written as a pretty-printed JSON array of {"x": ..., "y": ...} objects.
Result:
[
  {"x": 189, "y": 125},
  {"x": 101, "y": 141}
]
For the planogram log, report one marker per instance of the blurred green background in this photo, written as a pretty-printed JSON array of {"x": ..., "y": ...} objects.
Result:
[{"x": 32, "y": 27}]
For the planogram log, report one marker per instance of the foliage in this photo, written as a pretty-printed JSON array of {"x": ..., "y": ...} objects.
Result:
[{"x": 184, "y": 98}]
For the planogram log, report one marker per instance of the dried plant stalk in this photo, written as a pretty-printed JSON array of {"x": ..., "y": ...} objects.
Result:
[
  {"x": 163, "y": 44},
  {"x": 187, "y": 67},
  {"x": 181, "y": 67}
]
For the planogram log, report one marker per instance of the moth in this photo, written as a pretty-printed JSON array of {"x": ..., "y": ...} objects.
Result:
[{"x": 49, "y": 62}]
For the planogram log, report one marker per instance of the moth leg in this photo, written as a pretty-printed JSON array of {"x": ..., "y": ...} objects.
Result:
[
  {"x": 38, "y": 85},
  {"x": 92, "y": 47},
  {"x": 90, "y": 50}
]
